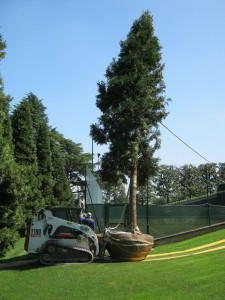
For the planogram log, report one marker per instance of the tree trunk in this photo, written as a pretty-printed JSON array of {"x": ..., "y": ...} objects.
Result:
[{"x": 133, "y": 207}]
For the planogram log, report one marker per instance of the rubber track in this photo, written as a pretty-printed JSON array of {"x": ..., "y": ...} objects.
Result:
[{"x": 65, "y": 255}]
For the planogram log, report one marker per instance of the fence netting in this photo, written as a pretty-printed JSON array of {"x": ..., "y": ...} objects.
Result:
[
  {"x": 93, "y": 191},
  {"x": 159, "y": 220}
]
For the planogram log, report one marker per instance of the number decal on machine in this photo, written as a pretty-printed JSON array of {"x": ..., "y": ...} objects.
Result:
[{"x": 35, "y": 232}]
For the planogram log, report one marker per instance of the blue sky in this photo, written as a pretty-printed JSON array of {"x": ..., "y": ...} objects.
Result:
[{"x": 60, "y": 49}]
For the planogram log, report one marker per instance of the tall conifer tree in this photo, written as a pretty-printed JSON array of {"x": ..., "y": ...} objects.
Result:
[
  {"x": 12, "y": 192},
  {"x": 45, "y": 168},
  {"x": 42, "y": 140},
  {"x": 26, "y": 152},
  {"x": 132, "y": 103},
  {"x": 61, "y": 190}
]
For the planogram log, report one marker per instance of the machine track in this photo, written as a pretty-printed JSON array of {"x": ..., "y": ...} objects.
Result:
[{"x": 53, "y": 253}]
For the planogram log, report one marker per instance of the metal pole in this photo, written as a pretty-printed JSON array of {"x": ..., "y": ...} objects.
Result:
[
  {"x": 92, "y": 153},
  {"x": 147, "y": 212},
  {"x": 207, "y": 182}
]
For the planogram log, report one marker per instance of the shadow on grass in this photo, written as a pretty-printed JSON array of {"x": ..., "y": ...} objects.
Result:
[
  {"x": 18, "y": 258},
  {"x": 20, "y": 263},
  {"x": 28, "y": 262}
]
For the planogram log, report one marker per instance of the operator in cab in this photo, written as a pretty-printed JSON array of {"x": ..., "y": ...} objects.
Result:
[{"x": 86, "y": 219}]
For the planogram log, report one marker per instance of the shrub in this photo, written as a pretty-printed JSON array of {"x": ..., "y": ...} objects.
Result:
[{"x": 8, "y": 238}]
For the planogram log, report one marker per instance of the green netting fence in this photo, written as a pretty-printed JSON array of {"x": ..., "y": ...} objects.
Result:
[
  {"x": 159, "y": 220},
  {"x": 93, "y": 191}
]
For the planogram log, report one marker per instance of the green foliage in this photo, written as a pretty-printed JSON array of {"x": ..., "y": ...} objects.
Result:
[
  {"x": 186, "y": 182},
  {"x": 2, "y": 55},
  {"x": 23, "y": 134},
  {"x": 56, "y": 158},
  {"x": 166, "y": 182},
  {"x": 5, "y": 123},
  {"x": 8, "y": 238},
  {"x": 38, "y": 114},
  {"x": 11, "y": 218},
  {"x": 132, "y": 103},
  {"x": 2, "y": 47},
  {"x": 221, "y": 172},
  {"x": 112, "y": 193},
  {"x": 75, "y": 159},
  {"x": 26, "y": 153},
  {"x": 45, "y": 167},
  {"x": 61, "y": 188}
]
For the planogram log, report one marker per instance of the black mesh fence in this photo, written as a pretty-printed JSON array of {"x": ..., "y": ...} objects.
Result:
[{"x": 158, "y": 220}]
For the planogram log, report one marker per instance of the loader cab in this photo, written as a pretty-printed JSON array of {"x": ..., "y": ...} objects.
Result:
[{"x": 68, "y": 213}]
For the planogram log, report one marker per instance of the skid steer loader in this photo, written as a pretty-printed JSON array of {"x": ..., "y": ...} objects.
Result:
[{"x": 60, "y": 239}]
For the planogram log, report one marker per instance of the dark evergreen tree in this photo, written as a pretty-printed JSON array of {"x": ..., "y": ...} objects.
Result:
[
  {"x": 26, "y": 153},
  {"x": 45, "y": 168},
  {"x": 132, "y": 103},
  {"x": 41, "y": 133},
  {"x": 11, "y": 182},
  {"x": 38, "y": 115},
  {"x": 23, "y": 135},
  {"x": 61, "y": 189}
]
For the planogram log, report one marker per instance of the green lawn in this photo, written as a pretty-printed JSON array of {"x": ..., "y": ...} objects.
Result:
[{"x": 192, "y": 277}]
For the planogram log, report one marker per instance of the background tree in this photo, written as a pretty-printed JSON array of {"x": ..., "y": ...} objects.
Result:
[
  {"x": 23, "y": 134},
  {"x": 38, "y": 115},
  {"x": 132, "y": 103},
  {"x": 25, "y": 152},
  {"x": 75, "y": 158},
  {"x": 45, "y": 167},
  {"x": 166, "y": 183},
  {"x": 221, "y": 173},
  {"x": 61, "y": 188},
  {"x": 41, "y": 133},
  {"x": 209, "y": 178},
  {"x": 189, "y": 181},
  {"x": 212, "y": 177},
  {"x": 11, "y": 182},
  {"x": 113, "y": 193}
]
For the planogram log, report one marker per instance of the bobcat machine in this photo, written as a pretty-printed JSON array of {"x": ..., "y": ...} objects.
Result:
[{"x": 57, "y": 237}]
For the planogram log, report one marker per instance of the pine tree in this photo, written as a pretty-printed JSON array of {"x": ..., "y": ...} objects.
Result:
[
  {"x": 11, "y": 182},
  {"x": 61, "y": 189},
  {"x": 45, "y": 168},
  {"x": 38, "y": 115},
  {"x": 23, "y": 135},
  {"x": 26, "y": 153},
  {"x": 132, "y": 103},
  {"x": 42, "y": 141}
]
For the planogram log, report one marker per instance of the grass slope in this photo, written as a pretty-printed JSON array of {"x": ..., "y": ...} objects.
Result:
[{"x": 192, "y": 277}]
